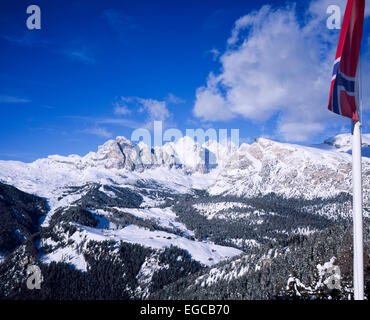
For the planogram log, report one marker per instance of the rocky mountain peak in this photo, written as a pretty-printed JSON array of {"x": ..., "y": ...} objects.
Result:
[{"x": 123, "y": 141}]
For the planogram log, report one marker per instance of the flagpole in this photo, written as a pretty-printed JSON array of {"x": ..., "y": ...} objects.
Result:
[
  {"x": 346, "y": 101},
  {"x": 358, "y": 258}
]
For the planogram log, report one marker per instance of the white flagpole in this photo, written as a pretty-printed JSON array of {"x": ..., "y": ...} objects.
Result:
[{"x": 358, "y": 258}]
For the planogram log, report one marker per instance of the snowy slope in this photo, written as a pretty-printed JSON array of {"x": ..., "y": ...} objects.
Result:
[
  {"x": 343, "y": 142},
  {"x": 290, "y": 170},
  {"x": 204, "y": 252}
]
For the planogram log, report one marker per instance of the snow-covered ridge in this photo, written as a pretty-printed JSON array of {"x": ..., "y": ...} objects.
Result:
[
  {"x": 343, "y": 142},
  {"x": 123, "y": 154},
  {"x": 259, "y": 168},
  {"x": 291, "y": 170}
]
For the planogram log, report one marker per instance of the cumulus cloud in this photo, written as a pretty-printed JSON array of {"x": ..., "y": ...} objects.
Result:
[
  {"x": 210, "y": 105},
  {"x": 157, "y": 110},
  {"x": 121, "y": 108},
  {"x": 276, "y": 63},
  {"x": 149, "y": 110}
]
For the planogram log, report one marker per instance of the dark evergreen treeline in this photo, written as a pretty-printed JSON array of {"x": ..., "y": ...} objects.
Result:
[
  {"x": 108, "y": 276},
  {"x": 122, "y": 219},
  {"x": 112, "y": 273},
  {"x": 181, "y": 265},
  {"x": 123, "y": 197},
  {"x": 280, "y": 217},
  {"x": 74, "y": 214},
  {"x": 20, "y": 213},
  {"x": 300, "y": 259}
]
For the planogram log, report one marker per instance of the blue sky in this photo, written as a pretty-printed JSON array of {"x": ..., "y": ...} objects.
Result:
[{"x": 98, "y": 69}]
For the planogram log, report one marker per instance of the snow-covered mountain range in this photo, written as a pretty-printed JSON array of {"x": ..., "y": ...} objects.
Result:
[
  {"x": 210, "y": 202},
  {"x": 258, "y": 168}
]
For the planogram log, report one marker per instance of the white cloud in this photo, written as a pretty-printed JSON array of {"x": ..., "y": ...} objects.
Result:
[
  {"x": 299, "y": 131},
  {"x": 100, "y": 132},
  {"x": 215, "y": 53},
  {"x": 121, "y": 122},
  {"x": 81, "y": 55},
  {"x": 12, "y": 99},
  {"x": 171, "y": 98},
  {"x": 248, "y": 20},
  {"x": 121, "y": 110},
  {"x": 157, "y": 110},
  {"x": 275, "y": 65},
  {"x": 149, "y": 110},
  {"x": 210, "y": 105},
  {"x": 97, "y": 122}
]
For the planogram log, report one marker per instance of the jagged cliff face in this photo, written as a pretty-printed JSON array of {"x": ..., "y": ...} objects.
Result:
[
  {"x": 122, "y": 154},
  {"x": 269, "y": 166}
]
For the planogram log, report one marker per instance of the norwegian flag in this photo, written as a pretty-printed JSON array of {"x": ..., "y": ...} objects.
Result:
[{"x": 344, "y": 90}]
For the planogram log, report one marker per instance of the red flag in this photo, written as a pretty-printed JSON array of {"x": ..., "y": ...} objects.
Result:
[{"x": 344, "y": 90}]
